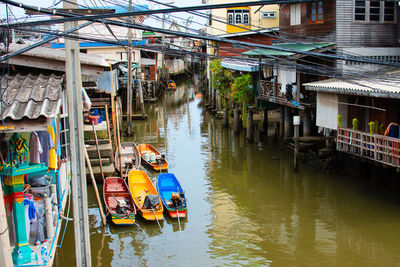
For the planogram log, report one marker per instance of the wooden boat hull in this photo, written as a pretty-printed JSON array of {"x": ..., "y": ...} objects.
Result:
[
  {"x": 130, "y": 158},
  {"x": 140, "y": 186},
  {"x": 115, "y": 189},
  {"x": 167, "y": 184},
  {"x": 156, "y": 165}
]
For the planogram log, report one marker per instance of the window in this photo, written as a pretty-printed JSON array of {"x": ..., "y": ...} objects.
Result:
[
  {"x": 230, "y": 16},
  {"x": 268, "y": 15},
  {"x": 317, "y": 15},
  {"x": 245, "y": 18},
  {"x": 238, "y": 16},
  {"x": 64, "y": 137},
  {"x": 375, "y": 11},
  {"x": 295, "y": 14}
]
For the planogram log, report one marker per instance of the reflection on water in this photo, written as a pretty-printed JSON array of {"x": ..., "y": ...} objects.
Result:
[{"x": 246, "y": 205}]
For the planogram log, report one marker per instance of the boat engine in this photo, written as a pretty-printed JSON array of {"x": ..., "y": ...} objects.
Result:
[
  {"x": 176, "y": 199},
  {"x": 122, "y": 206}
]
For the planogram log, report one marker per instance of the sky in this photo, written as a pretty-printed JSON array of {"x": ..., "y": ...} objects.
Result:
[{"x": 197, "y": 23}]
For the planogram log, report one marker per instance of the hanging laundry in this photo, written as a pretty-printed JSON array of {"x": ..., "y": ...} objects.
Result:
[
  {"x": 35, "y": 148},
  {"x": 47, "y": 143},
  {"x": 52, "y": 152}
]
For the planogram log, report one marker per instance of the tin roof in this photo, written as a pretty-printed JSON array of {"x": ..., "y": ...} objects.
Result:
[
  {"x": 387, "y": 86},
  {"x": 240, "y": 65},
  {"x": 30, "y": 96},
  {"x": 293, "y": 47}
]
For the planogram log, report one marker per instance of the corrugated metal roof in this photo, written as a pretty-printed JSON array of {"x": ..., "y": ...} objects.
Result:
[
  {"x": 31, "y": 96},
  {"x": 239, "y": 65},
  {"x": 379, "y": 86},
  {"x": 292, "y": 46}
]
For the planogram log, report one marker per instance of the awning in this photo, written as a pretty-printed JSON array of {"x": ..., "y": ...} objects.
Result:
[
  {"x": 291, "y": 46},
  {"x": 240, "y": 65}
]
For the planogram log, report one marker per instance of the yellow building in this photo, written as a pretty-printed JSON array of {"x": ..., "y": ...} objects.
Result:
[{"x": 241, "y": 19}]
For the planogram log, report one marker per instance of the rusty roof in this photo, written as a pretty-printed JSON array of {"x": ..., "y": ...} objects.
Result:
[{"x": 30, "y": 96}]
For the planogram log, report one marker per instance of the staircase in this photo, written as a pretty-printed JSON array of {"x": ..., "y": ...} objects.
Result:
[{"x": 105, "y": 147}]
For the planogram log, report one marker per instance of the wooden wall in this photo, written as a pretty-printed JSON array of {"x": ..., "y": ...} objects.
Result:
[
  {"x": 350, "y": 33},
  {"x": 230, "y": 50},
  {"x": 323, "y": 31}
]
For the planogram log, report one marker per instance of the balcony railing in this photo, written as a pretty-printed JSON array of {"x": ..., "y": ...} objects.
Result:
[
  {"x": 375, "y": 147},
  {"x": 270, "y": 89}
]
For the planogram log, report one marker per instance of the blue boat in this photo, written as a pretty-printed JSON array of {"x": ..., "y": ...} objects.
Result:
[{"x": 172, "y": 195}]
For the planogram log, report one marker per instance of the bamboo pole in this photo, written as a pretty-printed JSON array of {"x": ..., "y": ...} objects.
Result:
[
  {"x": 103, "y": 218},
  {"x": 113, "y": 108},
  {"x": 119, "y": 151},
  {"x": 98, "y": 151},
  {"x": 108, "y": 126}
]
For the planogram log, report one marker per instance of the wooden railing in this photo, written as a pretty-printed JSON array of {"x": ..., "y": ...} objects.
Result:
[
  {"x": 268, "y": 88},
  {"x": 375, "y": 147}
]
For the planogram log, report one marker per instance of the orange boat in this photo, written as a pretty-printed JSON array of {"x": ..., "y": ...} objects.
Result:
[
  {"x": 145, "y": 196},
  {"x": 171, "y": 85},
  {"x": 152, "y": 158}
]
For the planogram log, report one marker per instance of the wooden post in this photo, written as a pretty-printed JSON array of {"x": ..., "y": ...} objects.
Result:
[
  {"x": 288, "y": 122},
  {"x": 140, "y": 88},
  {"x": 226, "y": 118},
  {"x": 250, "y": 125},
  {"x": 113, "y": 109},
  {"x": 5, "y": 248},
  {"x": 119, "y": 151},
  {"x": 296, "y": 123},
  {"x": 103, "y": 219},
  {"x": 236, "y": 121},
  {"x": 282, "y": 121},
  {"x": 265, "y": 123},
  {"x": 98, "y": 150}
]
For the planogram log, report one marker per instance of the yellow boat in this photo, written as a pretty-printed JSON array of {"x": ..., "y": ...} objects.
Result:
[{"x": 145, "y": 196}]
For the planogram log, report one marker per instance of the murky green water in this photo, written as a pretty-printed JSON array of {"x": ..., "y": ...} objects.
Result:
[{"x": 246, "y": 205}]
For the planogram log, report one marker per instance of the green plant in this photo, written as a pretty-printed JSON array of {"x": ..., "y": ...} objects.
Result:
[
  {"x": 339, "y": 120},
  {"x": 243, "y": 94},
  {"x": 221, "y": 78},
  {"x": 372, "y": 128},
  {"x": 355, "y": 124}
]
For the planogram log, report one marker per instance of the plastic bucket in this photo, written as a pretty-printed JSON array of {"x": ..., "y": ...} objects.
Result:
[
  {"x": 153, "y": 157},
  {"x": 147, "y": 156}
]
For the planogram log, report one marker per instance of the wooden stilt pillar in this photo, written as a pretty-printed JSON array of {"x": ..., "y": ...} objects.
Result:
[
  {"x": 265, "y": 123},
  {"x": 236, "y": 121},
  {"x": 250, "y": 125}
]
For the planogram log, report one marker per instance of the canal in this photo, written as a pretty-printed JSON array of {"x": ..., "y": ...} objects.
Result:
[{"x": 246, "y": 205}]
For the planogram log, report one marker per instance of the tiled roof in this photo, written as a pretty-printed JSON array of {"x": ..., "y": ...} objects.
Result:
[{"x": 30, "y": 96}]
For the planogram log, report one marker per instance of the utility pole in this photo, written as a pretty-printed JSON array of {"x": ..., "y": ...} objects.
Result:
[
  {"x": 78, "y": 168},
  {"x": 129, "y": 88}
]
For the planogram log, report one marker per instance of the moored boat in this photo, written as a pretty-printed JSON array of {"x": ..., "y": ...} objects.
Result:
[
  {"x": 152, "y": 158},
  {"x": 172, "y": 195},
  {"x": 171, "y": 85},
  {"x": 145, "y": 196},
  {"x": 130, "y": 158},
  {"x": 118, "y": 201}
]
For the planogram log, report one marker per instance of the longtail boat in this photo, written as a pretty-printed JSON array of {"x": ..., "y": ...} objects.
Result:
[
  {"x": 145, "y": 196},
  {"x": 130, "y": 158},
  {"x": 119, "y": 202},
  {"x": 152, "y": 158},
  {"x": 172, "y": 195}
]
